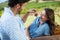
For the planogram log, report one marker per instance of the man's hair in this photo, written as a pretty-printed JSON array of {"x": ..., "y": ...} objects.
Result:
[{"x": 12, "y": 3}]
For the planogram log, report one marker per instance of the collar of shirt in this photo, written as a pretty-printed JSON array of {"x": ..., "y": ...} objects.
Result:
[{"x": 7, "y": 9}]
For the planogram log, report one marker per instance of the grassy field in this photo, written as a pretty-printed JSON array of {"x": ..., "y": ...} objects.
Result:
[
  {"x": 2, "y": 5},
  {"x": 39, "y": 6}
]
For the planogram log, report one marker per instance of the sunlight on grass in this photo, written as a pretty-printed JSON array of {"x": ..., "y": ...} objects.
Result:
[
  {"x": 57, "y": 19},
  {"x": 30, "y": 19}
]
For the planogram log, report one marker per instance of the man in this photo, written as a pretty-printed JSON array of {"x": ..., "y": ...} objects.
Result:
[{"x": 12, "y": 25}]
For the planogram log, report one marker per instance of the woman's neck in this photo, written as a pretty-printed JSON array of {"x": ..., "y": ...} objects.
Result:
[{"x": 41, "y": 22}]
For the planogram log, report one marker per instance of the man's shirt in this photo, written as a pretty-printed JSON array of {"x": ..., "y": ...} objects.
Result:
[{"x": 12, "y": 27}]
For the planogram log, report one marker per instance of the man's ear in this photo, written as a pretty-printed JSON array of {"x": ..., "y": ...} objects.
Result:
[{"x": 17, "y": 6}]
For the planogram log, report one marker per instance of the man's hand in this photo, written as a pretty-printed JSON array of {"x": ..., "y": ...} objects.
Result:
[
  {"x": 34, "y": 11},
  {"x": 24, "y": 18}
]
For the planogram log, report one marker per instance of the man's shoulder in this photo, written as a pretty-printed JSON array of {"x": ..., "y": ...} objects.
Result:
[
  {"x": 6, "y": 16},
  {"x": 7, "y": 19}
]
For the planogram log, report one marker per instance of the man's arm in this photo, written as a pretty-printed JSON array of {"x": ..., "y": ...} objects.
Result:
[
  {"x": 28, "y": 32},
  {"x": 24, "y": 18}
]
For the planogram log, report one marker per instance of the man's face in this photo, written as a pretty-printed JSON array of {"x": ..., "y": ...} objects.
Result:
[{"x": 20, "y": 7}]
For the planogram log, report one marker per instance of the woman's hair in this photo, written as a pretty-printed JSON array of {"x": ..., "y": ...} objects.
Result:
[{"x": 51, "y": 21}]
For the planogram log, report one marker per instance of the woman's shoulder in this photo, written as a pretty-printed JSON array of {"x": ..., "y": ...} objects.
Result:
[
  {"x": 37, "y": 19},
  {"x": 45, "y": 25}
]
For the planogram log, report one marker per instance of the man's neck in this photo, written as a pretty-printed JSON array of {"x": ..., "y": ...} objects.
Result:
[{"x": 14, "y": 11}]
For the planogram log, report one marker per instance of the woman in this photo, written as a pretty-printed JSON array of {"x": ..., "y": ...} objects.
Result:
[{"x": 43, "y": 25}]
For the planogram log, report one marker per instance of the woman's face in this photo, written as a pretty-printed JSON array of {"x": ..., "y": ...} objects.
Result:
[{"x": 43, "y": 16}]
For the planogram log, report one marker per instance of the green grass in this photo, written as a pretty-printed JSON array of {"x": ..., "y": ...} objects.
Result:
[
  {"x": 1, "y": 13},
  {"x": 2, "y": 5},
  {"x": 40, "y": 6}
]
